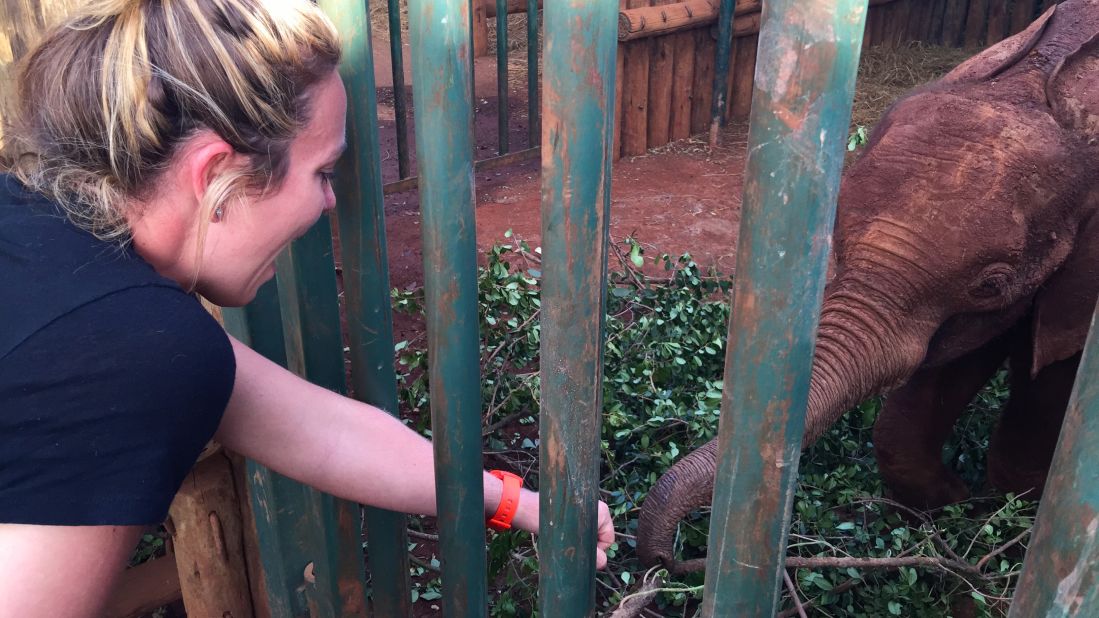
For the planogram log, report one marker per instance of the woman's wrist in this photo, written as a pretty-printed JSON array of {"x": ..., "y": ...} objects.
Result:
[{"x": 525, "y": 516}]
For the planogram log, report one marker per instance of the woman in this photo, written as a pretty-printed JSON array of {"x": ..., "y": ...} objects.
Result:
[{"x": 168, "y": 147}]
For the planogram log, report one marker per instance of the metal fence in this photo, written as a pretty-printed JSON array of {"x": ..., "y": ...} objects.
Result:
[{"x": 808, "y": 56}]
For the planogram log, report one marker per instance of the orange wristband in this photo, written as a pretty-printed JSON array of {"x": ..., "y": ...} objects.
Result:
[{"x": 509, "y": 500}]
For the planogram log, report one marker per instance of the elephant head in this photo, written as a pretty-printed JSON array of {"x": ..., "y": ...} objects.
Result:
[{"x": 971, "y": 209}]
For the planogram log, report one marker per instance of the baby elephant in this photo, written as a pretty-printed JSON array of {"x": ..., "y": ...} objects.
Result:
[{"x": 966, "y": 234}]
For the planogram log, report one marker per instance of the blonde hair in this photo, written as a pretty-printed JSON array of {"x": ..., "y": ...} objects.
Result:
[{"x": 105, "y": 101}]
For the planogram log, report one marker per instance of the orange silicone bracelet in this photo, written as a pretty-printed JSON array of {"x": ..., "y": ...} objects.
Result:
[{"x": 509, "y": 500}]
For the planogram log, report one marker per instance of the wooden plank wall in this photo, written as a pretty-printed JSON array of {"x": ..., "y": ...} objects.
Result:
[{"x": 665, "y": 82}]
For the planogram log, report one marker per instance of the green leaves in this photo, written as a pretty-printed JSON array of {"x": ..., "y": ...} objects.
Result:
[{"x": 662, "y": 391}]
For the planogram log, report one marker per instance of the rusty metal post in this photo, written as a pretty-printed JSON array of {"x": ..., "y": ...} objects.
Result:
[
  {"x": 502, "y": 74},
  {"x": 1061, "y": 570},
  {"x": 805, "y": 80},
  {"x": 361, "y": 215},
  {"x": 400, "y": 104},
  {"x": 441, "y": 54},
  {"x": 534, "y": 125},
  {"x": 721, "y": 68},
  {"x": 578, "y": 104}
]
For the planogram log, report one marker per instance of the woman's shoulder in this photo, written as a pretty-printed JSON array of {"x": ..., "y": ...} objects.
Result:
[{"x": 48, "y": 266}]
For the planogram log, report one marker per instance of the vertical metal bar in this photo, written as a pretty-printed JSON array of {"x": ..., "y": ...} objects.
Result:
[
  {"x": 259, "y": 326},
  {"x": 805, "y": 79},
  {"x": 444, "y": 136},
  {"x": 1061, "y": 570},
  {"x": 400, "y": 103},
  {"x": 472, "y": 57},
  {"x": 580, "y": 45},
  {"x": 361, "y": 214},
  {"x": 721, "y": 68},
  {"x": 314, "y": 350},
  {"x": 502, "y": 73},
  {"x": 533, "y": 120}
]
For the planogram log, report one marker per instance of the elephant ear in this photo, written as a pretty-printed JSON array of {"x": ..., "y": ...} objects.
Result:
[
  {"x": 1065, "y": 304},
  {"x": 1002, "y": 56},
  {"x": 1073, "y": 90}
]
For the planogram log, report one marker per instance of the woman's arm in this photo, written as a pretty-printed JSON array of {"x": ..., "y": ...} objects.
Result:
[{"x": 345, "y": 447}]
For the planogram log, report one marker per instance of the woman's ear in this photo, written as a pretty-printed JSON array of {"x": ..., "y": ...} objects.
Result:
[
  {"x": 207, "y": 157},
  {"x": 1064, "y": 306}
]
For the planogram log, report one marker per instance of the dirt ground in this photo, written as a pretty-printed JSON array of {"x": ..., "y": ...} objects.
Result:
[{"x": 680, "y": 198}]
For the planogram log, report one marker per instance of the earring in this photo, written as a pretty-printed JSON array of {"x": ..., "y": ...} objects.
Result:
[{"x": 219, "y": 212}]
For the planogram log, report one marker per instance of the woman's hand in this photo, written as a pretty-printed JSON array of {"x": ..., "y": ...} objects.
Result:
[{"x": 526, "y": 516}]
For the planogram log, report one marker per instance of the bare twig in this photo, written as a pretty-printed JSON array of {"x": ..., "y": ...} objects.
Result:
[
  {"x": 840, "y": 589},
  {"x": 423, "y": 536},
  {"x": 1001, "y": 549},
  {"x": 793, "y": 593},
  {"x": 414, "y": 559}
]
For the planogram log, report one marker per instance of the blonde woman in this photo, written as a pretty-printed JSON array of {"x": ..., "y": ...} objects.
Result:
[{"x": 168, "y": 147}]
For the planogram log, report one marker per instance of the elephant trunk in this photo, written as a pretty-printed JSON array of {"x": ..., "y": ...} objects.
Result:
[
  {"x": 687, "y": 485},
  {"x": 860, "y": 352}
]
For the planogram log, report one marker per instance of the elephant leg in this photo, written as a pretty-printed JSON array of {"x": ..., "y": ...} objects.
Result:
[
  {"x": 1022, "y": 446},
  {"x": 916, "y": 421}
]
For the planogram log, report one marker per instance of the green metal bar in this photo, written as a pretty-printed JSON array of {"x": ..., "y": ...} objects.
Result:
[
  {"x": 400, "y": 103},
  {"x": 361, "y": 216},
  {"x": 805, "y": 79},
  {"x": 330, "y": 528},
  {"x": 534, "y": 127},
  {"x": 580, "y": 46},
  {"x": 721, "y": 68},
  {"x": 1061, "y": 570},
  {"x": 444, "y": 152},
  {"x": 502, "y": 73},
  {"x": 259, "y": 326}
]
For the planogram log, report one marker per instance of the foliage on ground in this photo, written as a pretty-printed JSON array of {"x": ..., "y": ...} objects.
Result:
[{"x": 665, "y": 332}]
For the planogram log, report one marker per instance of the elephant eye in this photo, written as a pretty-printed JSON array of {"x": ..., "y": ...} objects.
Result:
[{"x": 994, "y": 281}]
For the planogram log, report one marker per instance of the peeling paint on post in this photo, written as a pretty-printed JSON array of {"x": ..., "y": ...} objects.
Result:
[
  {"x": 1061, "y": 570},
  {"x": 721, "y": 68},
  {"x": 328, "y": 529},
  {"x": 580, "y": 46},
  {"x": 804, "y": 84},
  {"x": 441, "y": 56},
  {"x": 361, "y": 215}
]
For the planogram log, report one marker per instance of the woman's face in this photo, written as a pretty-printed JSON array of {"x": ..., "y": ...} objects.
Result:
[{"x": 240, "y": 249}]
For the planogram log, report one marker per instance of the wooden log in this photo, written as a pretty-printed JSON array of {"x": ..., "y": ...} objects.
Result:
[
  {"x": 877, "y": 26},
  {"x": 682, "y": 85},
  {"x": 514, "y": 6},
  {"x": 144, "y": 589},
  {"x": 917, "y": 19},
  {"x": 1022, "y": 13},
  {"x": 997, "y": 21},
  {"x": 976, "y": 23},
  {"x": 635, "y": 113},
  {"x": 661, "y": 57},
  {"x": 935, "y": 27},
  {"x": 954, "y": 18},
  {"x": 480, "y": 28},
  {"x": 902, "y": 12},
  {"x": 745, "y": 73},
  {"x": 703, "y": 86},
  {"x": 619, "y": 80},
  {"x": 207, "y": 530}
]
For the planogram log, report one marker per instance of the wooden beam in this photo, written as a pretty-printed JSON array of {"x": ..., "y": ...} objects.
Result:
[
  {"x": 206, "y": 526},
  {"x": 514, "y": 6},
  {"x": 145, "y": 588},
  {"x": 636, "y": 23}
]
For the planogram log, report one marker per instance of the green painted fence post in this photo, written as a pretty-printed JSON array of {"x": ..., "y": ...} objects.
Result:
[
  {"x": 441, "y": 56},
  {"x": 400, "y": 104},
  {"x": 578, "y": 100},
  {"x": 331, "y": 528},
  {"x": 502, "y": 74},
  {"x": 721, "y": 68},
  {"x": 534, "y": 126},
  {"x": 1061, "y": 570},
  {"x": 805, "y": 79},
  {"x": 361, "y": 215}
]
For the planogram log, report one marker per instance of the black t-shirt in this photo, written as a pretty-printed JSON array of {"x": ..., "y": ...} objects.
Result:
[{"x": 112, "y": 378}]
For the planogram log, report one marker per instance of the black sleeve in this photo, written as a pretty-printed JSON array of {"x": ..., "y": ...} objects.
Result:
[{"x": 104, "y": 411}]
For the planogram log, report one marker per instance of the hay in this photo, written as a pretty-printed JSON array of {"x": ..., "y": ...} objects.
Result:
[{"x": 885, "y": 74}]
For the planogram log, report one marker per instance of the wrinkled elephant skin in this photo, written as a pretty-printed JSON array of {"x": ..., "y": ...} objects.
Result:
[{"x": 965, "y": 235}]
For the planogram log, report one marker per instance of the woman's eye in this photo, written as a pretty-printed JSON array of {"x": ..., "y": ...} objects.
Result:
[{"x": 328, "y": 177}]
